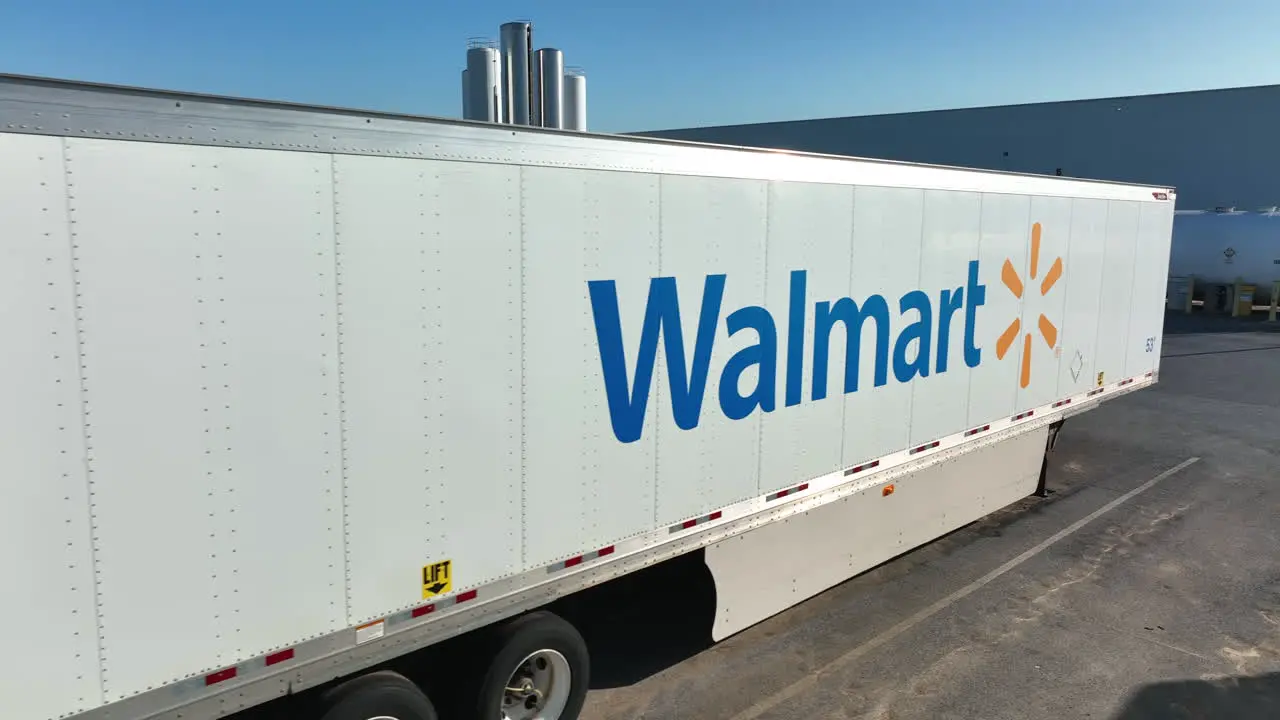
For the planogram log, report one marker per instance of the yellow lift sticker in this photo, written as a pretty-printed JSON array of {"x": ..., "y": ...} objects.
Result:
[
  {"x": 437, "y": 579},
  {"x": 1100, "y": 376}
]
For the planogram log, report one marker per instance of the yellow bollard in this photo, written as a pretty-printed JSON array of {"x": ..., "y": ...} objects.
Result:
[{"x": 1244, "y": 299}]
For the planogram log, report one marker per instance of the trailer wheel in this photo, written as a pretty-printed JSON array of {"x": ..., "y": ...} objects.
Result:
[
  {"x": 382, "y": 695},
  {"x": 539, "y": 672}
]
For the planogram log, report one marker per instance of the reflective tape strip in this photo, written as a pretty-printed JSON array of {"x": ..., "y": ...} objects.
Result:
[
  {"x": 220, "y": 676},
  {"x": 696, "y": 521},
  {"x": 861, "y": 468},
  {"x": 784, "y": 493},
  {"x": 927, "y": 446},
  {"x": 437, "y": 605},
  {"x": 580, "y": 559},
  {"x": 249, "y": 666},
  {"x": 1023, "y": 416},
  {"x": 977, "y": 430},
  {"x": 279, "y": 657}
]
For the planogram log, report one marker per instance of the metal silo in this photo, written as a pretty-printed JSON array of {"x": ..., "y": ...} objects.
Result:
[
  {"x": 535, "y": 91},
  {"x": 484, "y": 75},
  {"x": 517, "y": 47},
  {"x": 575, "y": 99},
  {"x": 466, "y": 95},
  {"x": 548, "y": 73}
]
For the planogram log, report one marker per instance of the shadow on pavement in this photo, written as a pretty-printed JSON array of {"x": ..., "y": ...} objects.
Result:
[{"x": 1236, "y": 698}]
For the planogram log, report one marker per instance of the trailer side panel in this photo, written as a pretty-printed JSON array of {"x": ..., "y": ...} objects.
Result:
[
  {"x": 46, "y": 543},
  {"x": 207, "y": 303}
]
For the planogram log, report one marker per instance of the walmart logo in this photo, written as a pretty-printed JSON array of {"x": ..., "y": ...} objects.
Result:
[
  {"x": 1048, "y": 331},
  {"x": 920, "y": 348}
]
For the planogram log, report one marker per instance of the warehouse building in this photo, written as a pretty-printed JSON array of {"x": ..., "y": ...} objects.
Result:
[{"x": 1220, "y": 148}]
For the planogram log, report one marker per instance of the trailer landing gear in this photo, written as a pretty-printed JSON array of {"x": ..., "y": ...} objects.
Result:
[{"x": 1054, "y": 429}]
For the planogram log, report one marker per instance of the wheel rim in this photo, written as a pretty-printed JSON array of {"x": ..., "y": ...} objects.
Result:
[{"x": 539, "y": 687}]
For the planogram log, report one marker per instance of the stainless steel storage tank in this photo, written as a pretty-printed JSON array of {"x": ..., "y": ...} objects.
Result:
[
  {"x": 466, "y": 95},
  {"x": 575, "y": 99},
  {"x": 535, "y": 92},
  {"x": 484, "y": 76},
  {"x": 516, "y": 49},
  {"x": 548, "y": 73}
]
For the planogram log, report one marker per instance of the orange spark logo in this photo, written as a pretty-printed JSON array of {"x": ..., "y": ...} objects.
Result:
[{"x": 1013, "y": 281}]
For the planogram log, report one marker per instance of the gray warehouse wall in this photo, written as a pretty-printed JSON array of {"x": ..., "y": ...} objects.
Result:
[{"x": 1218, "y": 147}]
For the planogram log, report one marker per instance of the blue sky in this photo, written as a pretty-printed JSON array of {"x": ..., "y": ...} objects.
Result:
[{"x": 662, "y": 63}]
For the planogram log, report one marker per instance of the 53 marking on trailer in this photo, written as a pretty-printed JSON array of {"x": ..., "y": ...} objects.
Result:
[{"x": 437, "y": 579}]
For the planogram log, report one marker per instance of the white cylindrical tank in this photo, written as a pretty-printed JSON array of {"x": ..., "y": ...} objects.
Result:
[
  {"x": 1219, "y": 247},
  {"x": 548, "y": 69},
  {"x": 516, "y": 50},
  {"x": 575, "y": 99},
  {"x": 484, "y": 77}
]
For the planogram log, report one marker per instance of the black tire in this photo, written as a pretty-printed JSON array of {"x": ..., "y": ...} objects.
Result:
[
  {"x": 378, "y": 694},
  {"x": 523, "y": 636}
]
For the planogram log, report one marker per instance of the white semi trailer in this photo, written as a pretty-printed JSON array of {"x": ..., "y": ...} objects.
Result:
[{"x": 291, "y": 392}]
